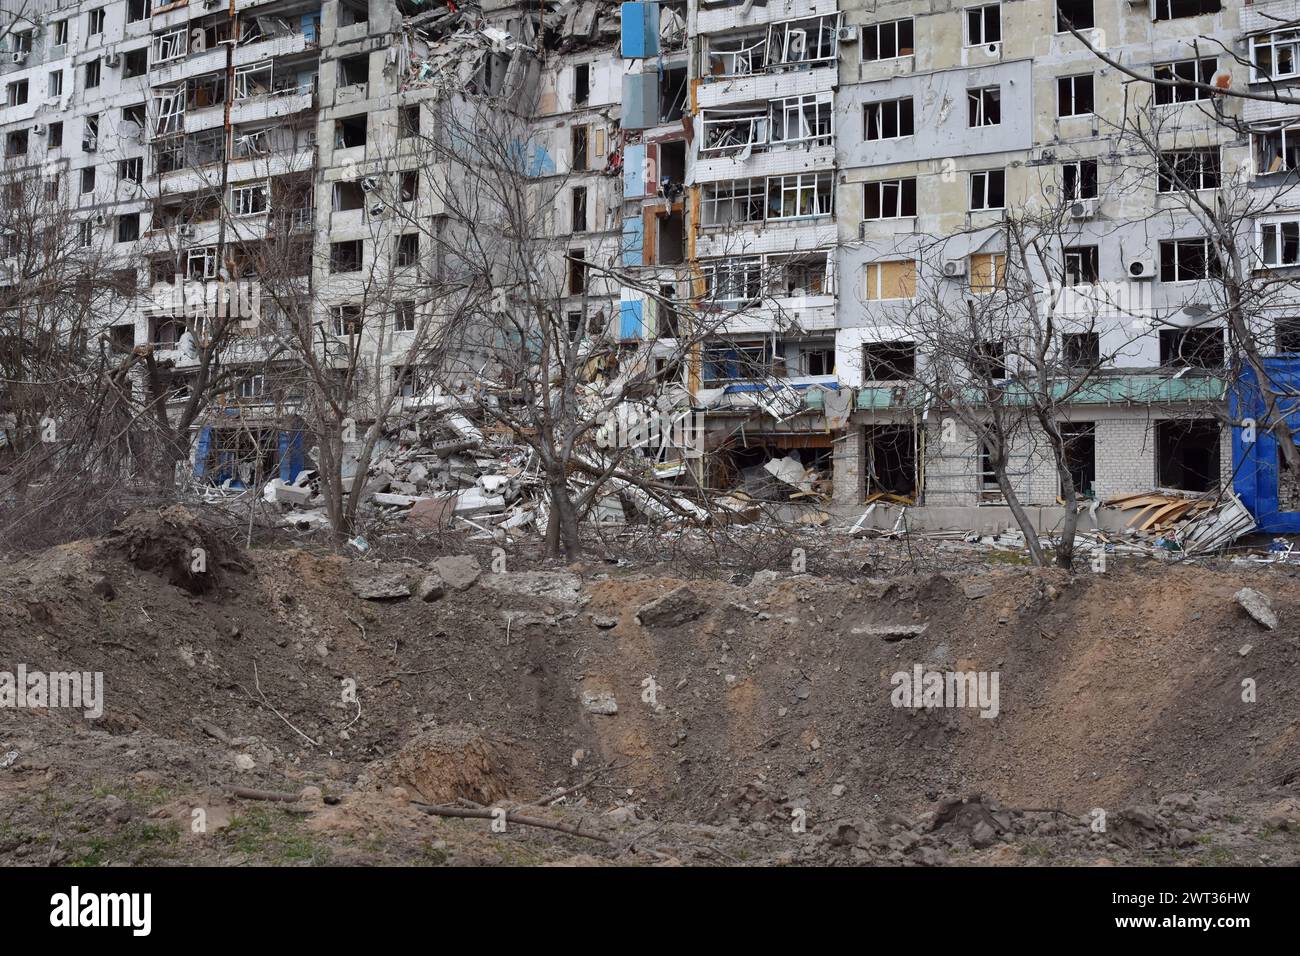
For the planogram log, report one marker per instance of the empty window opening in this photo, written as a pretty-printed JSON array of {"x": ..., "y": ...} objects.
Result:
[
  {"x": 354, "y": 70},
  {"x": 1174, "y": 81},
  {"x": 889, "y": 199},
  {"x": 346, "y": 256},
  {"x": 1080, "y": 440},
  {"x": 1174, "y": 9},
  {"x": 984, "y": 106},
  {"x": 1074, "y": 95},
  {"x": 1081, "y": 350},
  {"x": 1074, "y": 13},
  {"x": 577, "y": 271},
  {"x": 1081, "y": 265},
  {"x": 888, "y": 361},
  {"x": 890, "y": 119},
  {"x": 1192, "y": 348},
  {"x": 1187, "y": 454},
  {"x": 890, "y": 466},
  {"x": 348, "y": 195},
  {"x": 579, "y": 145},
  {"x": 1079, "y": 180},
  {"x": 350, "y": 131},
  {"x": 408, "y": 249},
  {"x": 581, "y": 83},
  {"x": 1188, "y": 169},
  {"x": 887, "y": 41}
]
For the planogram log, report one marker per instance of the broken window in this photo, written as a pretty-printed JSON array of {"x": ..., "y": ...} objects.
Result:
[
  {"x": 353, "y": 11},
  {"x": 170, "y": 46},
  {"x": 887, "y": 41},
  {"x": 728, "y": 203},
  {"x": 888, "y": 119},
  {"x": 736, "y": 55},
  {"x": 984, "y": 106},
  {"x": 408, "y": 249},
  {"x": 811, "y": 40},
  {"x": 350, "y": 131},
  {"x": 988, "y": 190},
  {"x": 128, "y": 227},
  {"x": 1079, "y": 180},
  {"x": 253, "y": 80},
  {"x": 1081, "y": 349},
  {"x": 16, "y": 93},
  {"x": 1074, "y": 13},
  {"x": 1275, "y": 56},
  {"x": 404, "y": 316},
  {"x": 135, "y": 62},
  {"x": 1287, "y": 332},
  {"x": 1187, "y": 260},
  {"x": 1080, "y": 441},
  {"x": 984, "y": 24},
  {"x": 889, "y": 199},
  {"x": 131, "y": 170},
  {"x": 201, "y": 263},
  {"x": 990, "y": 359},
  {"x": 16, "y": 143},
  {"x": 672, "y": 94},
  {"x": 817, "y": 361},
  {"x": 736, "y": 362},
  {"x": 204, "y": 91},
  {"x": 1187, "y": 454},
  {"x": 1176, "y": 9},
  {"x": 1192, "y": 348},
  {"x": 803, "y": 118},
  {"x": 409, "y": 185},
  {"x": 346, "y": 256},
  {"x": 1276, "y": 149},
  {"x": 891, "y": 280},
  {"x": 247, "y": 144},
  {"x": 734, "y": 281},
  {"x": 734, "y": 129},
  {"x": 169, "y": 110},
  {"x": 1082, "y": 265},
  {"x": 354, "y": 70},
  {"x": 92, "y": 74},
  {"x": 798, "y": 275},
  {"x": 577, "y": 271},
  {"x": 800, "y": 195},
  {"x": 988, "y": 273},
  {"x": 579, "y": 145},
  {"x": 1074, "y": 95},
  {"x": 581, "y": 83},
  {"x": 408, "y": 121},
  {"x": 88, "y": 179},
  {"x": 578, "y": 204},
  {"x": 888, "y": 361},
  {"x": 95, "y": 22},
  {"x": 1174, "y": 80},
  {"x": 890, "y": 461},
  {"x": 1188, "y": 169},
  {"x": 249, "y": 200},
  {"x": 347, "y": 319}
]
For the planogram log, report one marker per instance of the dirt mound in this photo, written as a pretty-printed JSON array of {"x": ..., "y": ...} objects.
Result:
[
  {"x": 446, "y": 764},
  {"x": 176, "y": 544}
]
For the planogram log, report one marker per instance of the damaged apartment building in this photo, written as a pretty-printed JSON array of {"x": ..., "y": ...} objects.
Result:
[{"x": 776, "y": 182}]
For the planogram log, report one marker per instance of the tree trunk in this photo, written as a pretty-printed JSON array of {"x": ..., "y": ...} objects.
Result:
[{"x": 1022, "y": 519}]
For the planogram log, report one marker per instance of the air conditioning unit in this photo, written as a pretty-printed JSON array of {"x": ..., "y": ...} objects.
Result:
[
  {"x": 89, "y": 145},
  {"x": 376, "y": 210},
  {"x": 185, "y": 232},
  {"x": 112, "y": 60},
  {"x": 101, "y": 219},
  {"x": 848, "y": 34},
  {"x": 369, "y": 184},
  {"x": 1083, "y": 209},
  {"x": 1141, "y": 267},
  {"x": 954, "y": 268},
  {"x": 39, "y": 129},
  {"x": 18, "y": 57}
]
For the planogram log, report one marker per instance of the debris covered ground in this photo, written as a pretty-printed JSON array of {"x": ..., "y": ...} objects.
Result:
[{"x": 311, "y": 708}]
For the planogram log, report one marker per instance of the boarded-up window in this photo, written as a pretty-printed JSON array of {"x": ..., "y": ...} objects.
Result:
[
  {"x": 891, "y": 280},
  {"x": 988, "y": 273}
]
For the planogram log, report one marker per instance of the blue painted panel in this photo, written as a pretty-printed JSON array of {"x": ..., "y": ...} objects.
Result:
[
  {"x": 634, "y": 171},
  {"x": 291, "y": 460},
  {"x": 1255, "y": 464},
  {"x": 629, "y": 319},
  {"x": 633, "y": 242},
  {"x": 202, "y": 451},
  {"x": 640, "y": 100},
  {"x": 640, "y": 30}
]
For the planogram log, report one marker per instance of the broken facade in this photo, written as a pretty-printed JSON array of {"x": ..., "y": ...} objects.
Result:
[{"x": 769, "y": 173}]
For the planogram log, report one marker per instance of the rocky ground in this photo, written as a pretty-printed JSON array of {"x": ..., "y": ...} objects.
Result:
[{"x": 659, "y": 713}]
